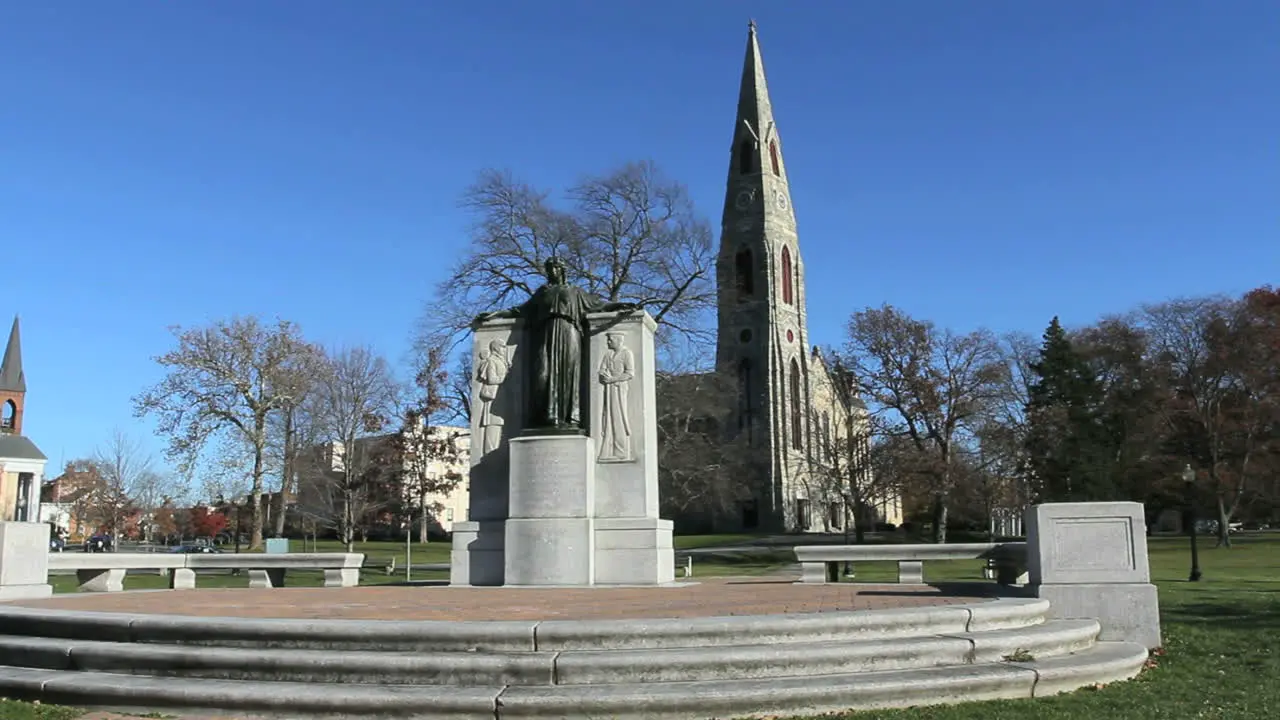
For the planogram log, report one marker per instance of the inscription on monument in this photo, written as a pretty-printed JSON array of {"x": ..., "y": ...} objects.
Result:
[{"x": 1093, "y": 544}]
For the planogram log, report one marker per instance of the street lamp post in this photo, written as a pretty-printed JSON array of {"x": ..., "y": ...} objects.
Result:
[{"x": 1189, "y": 479}]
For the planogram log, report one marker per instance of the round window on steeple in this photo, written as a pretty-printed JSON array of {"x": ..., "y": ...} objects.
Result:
[{"x": 745, "y": 335}]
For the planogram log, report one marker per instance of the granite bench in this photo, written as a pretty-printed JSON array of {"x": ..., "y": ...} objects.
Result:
[
  {"x": 105, "y": 572},
  {"x": 1007, "y": 562}
]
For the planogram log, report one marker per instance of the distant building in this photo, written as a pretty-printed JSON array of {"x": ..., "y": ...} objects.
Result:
[
  {"x": 21, "y": 462},
  {"x": 389, "y": 491}
]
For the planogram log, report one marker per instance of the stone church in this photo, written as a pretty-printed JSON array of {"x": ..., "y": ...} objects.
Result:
[{"x": 791, "y": 411}]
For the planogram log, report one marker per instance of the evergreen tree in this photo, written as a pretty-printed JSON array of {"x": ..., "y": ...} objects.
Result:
[{"x": 1066, "y": 448}]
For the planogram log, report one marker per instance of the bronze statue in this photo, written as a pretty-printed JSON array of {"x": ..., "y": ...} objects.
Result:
[{"x": 555, "y": 323}]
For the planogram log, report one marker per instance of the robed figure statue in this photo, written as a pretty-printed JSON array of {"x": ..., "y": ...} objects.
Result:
[{"x": 555, "y": 324}]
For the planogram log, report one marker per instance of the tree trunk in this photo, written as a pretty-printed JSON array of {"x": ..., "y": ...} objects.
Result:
[
  {"x": 255, "y": 494},
  {"x": 939, "y": 518},
  {"x": 286, "y": 482},
  {"x": 1224, "y": 524},
  {"x": 348, "y": 527}
]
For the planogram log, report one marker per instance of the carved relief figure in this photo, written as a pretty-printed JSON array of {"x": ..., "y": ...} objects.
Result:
[
  {"x": 491, "y": 370},
  {"x": 556, "y": 324},
  {"x": 617, "y": 367}
]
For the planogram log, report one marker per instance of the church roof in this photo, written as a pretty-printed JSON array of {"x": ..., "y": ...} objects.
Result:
[
  {"x": 18, "y": 447},
  {"x": 11, "y": 375}
]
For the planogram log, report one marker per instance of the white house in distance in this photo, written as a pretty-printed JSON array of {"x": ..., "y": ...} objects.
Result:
[{"x": 21, "y": 462}]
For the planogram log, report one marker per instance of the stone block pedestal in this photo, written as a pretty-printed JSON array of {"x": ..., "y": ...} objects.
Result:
[
  {"x": 634, "y": 551},
  {"x": 1089, "y": 560},
  {"x": 477, "y": 557},
  {"x": 550, "y": 531},
  {"x": 24, "y": 561}
]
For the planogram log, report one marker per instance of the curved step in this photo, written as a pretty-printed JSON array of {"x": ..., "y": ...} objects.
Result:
[
  {"x": 1105, "y": 662},
  {"x": 574, "y": 667},
  {"x": 516, "y": 636}
]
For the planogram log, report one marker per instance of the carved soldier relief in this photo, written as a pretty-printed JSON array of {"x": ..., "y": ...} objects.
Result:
[
  {"x": 616, "y": 370},
  {"x": 492, "y": 367}
]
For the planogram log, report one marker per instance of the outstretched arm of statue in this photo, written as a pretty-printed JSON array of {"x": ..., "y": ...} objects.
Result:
[
  {"x": 620, "y": 307},
  {"x": 495, "y": 314}
]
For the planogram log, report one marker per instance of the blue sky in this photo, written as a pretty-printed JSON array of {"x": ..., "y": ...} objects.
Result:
[{"x": 990, "y": 162}]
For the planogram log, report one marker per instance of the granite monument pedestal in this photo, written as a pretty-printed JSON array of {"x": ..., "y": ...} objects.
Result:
[
  {"x": 1089, "y": 560},
  {"x": 565, "y": 509}
]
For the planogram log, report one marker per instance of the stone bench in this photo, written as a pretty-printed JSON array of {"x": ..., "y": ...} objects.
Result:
[
  {"x": 684, "y": 564},
  {"x": 821, "y": 563},
  {"x": 105, "y": 572}
]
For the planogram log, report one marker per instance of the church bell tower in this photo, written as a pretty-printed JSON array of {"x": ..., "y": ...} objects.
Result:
[{"x": 763, "y": 334}]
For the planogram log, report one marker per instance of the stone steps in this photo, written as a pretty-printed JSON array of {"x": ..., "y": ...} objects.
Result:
[
  {"x": 660, "y": 668},
  {"x": 571, "y": 667},
  {"x": 1104, "y": 662}
]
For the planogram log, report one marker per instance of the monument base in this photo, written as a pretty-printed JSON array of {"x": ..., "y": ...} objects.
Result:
[
  {"x": 634, "y": 551},
  {"x": 477, "y": 554},
  {"x": 550, "y": 534},
  {"x": 549, "y": 551},
  {"x": 1128, "y": 612}
]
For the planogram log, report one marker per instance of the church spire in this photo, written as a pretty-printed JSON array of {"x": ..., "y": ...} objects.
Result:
[
  {"x": 757, "y": 151},
  {"x": 12, "y": 378}
]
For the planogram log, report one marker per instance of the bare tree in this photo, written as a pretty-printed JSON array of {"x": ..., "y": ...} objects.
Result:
[
  {"x": 355, "y": 399},
  {"x": 227, "y": 379},
  {"x": 129, "y": 483},
  {"x": 927, "y": 385},
  {"x": 291, "y": 430},
  {"x": 630, "y": 235},
  {"x": 427, "y": 454},
  {"x": 699, "y": 472}
]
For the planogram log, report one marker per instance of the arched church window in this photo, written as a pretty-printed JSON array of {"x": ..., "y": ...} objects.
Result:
[
  {"x": 786, "y": 275},
  {"x": 773, "y": 157},
  {"x": 8, "y": 415},
  {"x": 745, "y": 278},
  {"x": 796, "y": 421},
  {"x": 746, "y": 157},
  {"x": 828, "y": 442}
]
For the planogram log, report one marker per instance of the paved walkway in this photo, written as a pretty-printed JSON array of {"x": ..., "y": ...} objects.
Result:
[{"x": 704, "y": 598}]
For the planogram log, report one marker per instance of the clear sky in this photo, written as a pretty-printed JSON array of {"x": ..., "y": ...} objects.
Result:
[{"x": 990, "y": 162}]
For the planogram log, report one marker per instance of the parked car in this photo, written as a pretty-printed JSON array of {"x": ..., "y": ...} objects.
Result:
[
  {"x": 57, "y": 544},
  {"x": 99, "y": 543}
]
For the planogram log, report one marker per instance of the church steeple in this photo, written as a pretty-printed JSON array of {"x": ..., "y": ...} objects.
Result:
[
  {"x": 757, "y": 150},
  {"x": 13, "y": 384},
  {"x": 12, "y": 378},
  {"x": 763, "y": 335}
]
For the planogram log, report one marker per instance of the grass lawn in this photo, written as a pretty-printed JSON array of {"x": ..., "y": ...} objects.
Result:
[{"x": 1222, "y": 637}]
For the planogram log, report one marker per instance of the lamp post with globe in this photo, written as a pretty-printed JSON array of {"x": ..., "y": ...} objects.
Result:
[{"x": 1189, "y": 482}]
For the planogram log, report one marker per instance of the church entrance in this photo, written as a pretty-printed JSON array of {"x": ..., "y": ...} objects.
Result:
[
  {"x": 803, "y": 518},
  {"x": 750, "y": 514}
]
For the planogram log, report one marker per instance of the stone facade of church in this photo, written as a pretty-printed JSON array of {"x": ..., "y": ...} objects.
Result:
[{"x": 794, "y": 415}]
